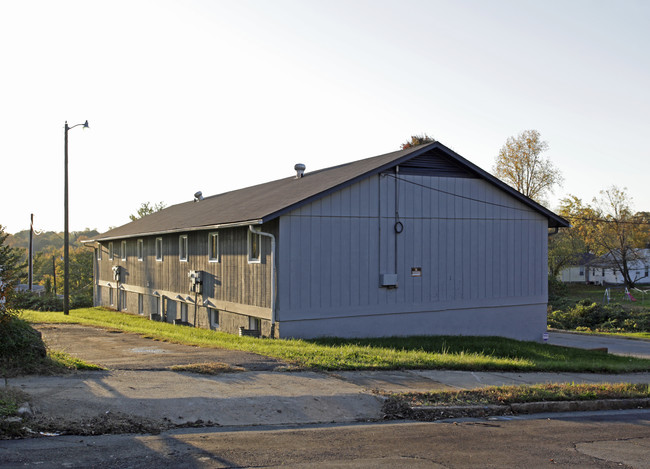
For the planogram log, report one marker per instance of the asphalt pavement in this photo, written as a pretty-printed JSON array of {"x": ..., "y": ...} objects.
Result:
[{"x": 639, "y": 348}]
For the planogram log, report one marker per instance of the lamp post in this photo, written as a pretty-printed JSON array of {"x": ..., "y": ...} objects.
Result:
[{"x": 66, "y": 235}]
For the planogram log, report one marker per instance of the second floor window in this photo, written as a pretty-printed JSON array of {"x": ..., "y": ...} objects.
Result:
[
  {"x": 159, "y": 249},
  {"x": 140, "y": 249},
  {"x": 213, "y": 247},
  {"x": 182, "y": 247},
  {"x": 254, "y": 247},
  {"x": 123, "y": 250}
]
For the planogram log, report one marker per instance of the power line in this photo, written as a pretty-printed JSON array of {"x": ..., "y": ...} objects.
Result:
[
  {"x": 460, "y": 196},
  {"x": 598, "y": 220},
  {"x": 602, "y": 220}
]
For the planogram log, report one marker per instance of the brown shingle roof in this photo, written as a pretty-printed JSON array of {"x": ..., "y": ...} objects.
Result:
[{"x": 267, "y": 201}]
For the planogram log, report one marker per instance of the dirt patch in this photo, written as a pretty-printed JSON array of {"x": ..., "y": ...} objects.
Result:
[{"x": 109, "y": 423}]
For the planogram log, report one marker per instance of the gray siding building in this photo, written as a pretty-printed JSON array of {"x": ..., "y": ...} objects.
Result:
[{"x": 414, "y": 242}]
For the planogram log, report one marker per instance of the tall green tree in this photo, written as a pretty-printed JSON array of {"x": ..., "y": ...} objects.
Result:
[
  {"x": 147, "y": 208},
  {"x": 520, "y": 163}
]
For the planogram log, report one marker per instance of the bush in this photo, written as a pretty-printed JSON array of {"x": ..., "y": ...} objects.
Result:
[
  {"x": 29, "y": 300},
  {"x": 586, "y": 315},
  {"x": 556, "y": 288},
  {"x": 21, "y": 347}
]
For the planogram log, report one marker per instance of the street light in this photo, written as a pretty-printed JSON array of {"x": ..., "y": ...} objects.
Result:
[{"x": 66, "y": 236}]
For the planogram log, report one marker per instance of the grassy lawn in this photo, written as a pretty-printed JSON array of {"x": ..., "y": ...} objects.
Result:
[
  {"x": 629, "y": 335},
  {"x": 443, "y": 352},
  {"x": 596, "y": 294}
]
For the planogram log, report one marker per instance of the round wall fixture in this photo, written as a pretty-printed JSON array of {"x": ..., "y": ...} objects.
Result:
[{"x": 399, "y": 227}]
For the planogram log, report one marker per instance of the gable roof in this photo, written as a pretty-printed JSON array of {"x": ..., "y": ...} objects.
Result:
[{"x": 267, "y": 201}]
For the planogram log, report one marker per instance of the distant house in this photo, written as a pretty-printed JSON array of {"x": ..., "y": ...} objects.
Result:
[
  {"x": 604, "y": 271},
  {"x": 36, "y": 289},
  {"x": 579, "y": 272},
  {"x": 418, "y": 241}
]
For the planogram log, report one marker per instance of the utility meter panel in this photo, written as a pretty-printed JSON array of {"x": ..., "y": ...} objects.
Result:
[
  {"x": 117, "y": 270},
  {"x": 195, "y": 281}
]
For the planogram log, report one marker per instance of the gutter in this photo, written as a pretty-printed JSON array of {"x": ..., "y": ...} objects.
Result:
[
  {"x": 273, "y": 274},
  {"x": 177, "y": 230}
]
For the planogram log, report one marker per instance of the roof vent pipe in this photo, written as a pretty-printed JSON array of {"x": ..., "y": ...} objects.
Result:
[
  {"x": 300, "y": 170},
  {"x": 198, "y": 196}
]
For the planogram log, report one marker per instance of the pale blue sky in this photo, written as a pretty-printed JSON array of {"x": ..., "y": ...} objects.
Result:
[{"x": 216, "y": 95}]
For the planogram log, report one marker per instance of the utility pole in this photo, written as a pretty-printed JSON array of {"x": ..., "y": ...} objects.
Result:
[
  {"x": 66, "y": 235},
  {"x": 54, "y": 272},
  {"x": 30, "y": 273}
]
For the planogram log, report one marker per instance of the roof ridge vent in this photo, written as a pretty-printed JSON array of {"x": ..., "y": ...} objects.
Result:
[{"x": 300, "y": 170}]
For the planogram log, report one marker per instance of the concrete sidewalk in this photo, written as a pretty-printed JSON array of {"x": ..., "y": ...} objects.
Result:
[
  {"x": 139, "y": 384},
  {"x": 258, "y": 397}
]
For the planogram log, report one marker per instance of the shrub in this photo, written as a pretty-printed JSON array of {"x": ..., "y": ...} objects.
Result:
[
  {"x": 20, "y": 345},
  {"x": 29, "y": 300},
  {"x": 586, "y": 315}
]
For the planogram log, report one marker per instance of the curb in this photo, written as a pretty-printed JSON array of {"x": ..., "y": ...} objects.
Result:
[{"x": 396, "y": 411}]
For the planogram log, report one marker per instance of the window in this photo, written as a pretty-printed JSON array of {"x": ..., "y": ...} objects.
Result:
[
  {"x": 110, "y": 250},
  {"x": 110, "y": 296},
  {"x": 183, "y": 312},
  {"x": 159, "y": 247},
  {"x": 646, "y": 271},
  {"x": 140, "y": 303},
  {"x": 182, "y": 248},
  {"x": 582, "y": 271},
  {"x": 99, "y": 252},
  {"x": 254, "y": 324},
  {"x": 213, "y": 247},
  {"x": 602, "y": 273},
  {"x": 140, "y": 249},
  {"x": 213, "y": 315},
  {"x": 254, "y": 247},
  {"x": 123, "y": 250},
  {"x": 123, "y": 303}
]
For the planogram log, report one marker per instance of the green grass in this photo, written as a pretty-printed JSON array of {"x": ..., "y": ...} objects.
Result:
[
  {"x": 63, "y": 360},
  {"x": 596, "y": 293},
  {"x": 436, "y": 352},
  {"x": 526, "y": 393}
]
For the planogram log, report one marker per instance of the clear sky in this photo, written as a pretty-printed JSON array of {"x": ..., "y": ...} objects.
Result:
[{"x": 216, "y": 95}]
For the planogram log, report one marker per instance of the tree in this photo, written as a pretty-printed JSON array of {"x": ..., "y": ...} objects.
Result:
[
  {"x": 10, "y": 261},
  {"x": 520, "y": 164},
  {"x": 565, "y": 249},
  {"x": 147, "y": 209},
  {"x": 417, "y": 140},
  {"x": 610, "y": 229}
]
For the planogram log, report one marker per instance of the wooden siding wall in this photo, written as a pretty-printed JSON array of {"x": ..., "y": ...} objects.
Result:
[
  {"x": 477, "y": 248},
  {"x": 232, "y": 279}
]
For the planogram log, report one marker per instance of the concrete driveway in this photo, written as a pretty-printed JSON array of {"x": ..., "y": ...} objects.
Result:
[
  {"x": 119, "y": 350},
  {"x": 615, "y": 345},
  {"x": 140, "y": 385}
]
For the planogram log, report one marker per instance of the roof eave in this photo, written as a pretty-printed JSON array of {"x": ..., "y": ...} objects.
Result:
[{"x": 178, "y": 230}]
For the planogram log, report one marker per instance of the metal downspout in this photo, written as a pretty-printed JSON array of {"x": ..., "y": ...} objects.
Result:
[{"x": 260, "y": 232}]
